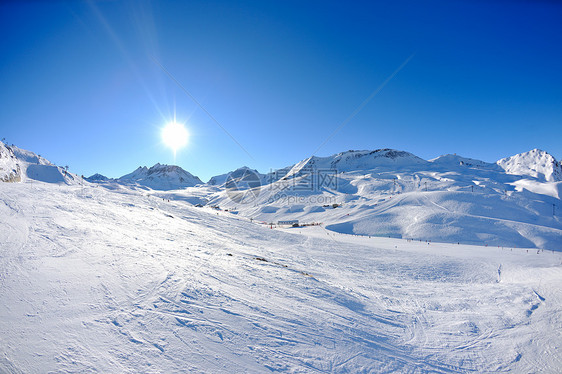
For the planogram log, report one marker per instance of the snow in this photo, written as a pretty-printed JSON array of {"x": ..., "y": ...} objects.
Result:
[
  {"x": 130, "y": 275},
  {"x": 161, "y": 177},
  {"x": 449, "y": 199},
  {"x": 220, "y": 180},
  {"x": 19, "y": 165},
  {"x": 536, "y": 163},
  {"x": 10, "y": 170},
  {"x": 97, "y": 177},
  {"x": 455, "y": 161},
  {"x": 29, "y": 157},
  {"x": 553, "y": 189},
  {"x": 94, "y": 279},
  {"x": 350, "y": 161}
]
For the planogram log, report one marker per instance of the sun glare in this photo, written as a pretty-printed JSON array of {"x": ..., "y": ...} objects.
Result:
[{"x": 174, "y": 135}]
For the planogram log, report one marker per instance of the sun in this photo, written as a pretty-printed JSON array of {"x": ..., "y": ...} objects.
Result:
[{"x": 174, "y": 135}]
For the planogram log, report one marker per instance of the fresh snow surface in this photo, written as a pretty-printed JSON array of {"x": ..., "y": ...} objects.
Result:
[{"x": 100, "y": 280}]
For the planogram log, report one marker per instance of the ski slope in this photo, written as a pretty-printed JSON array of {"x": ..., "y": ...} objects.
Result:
[
  {"x": 94, "y": 279},
  {"x": 449, "y": 199},
  {"x": 386, "y": 192}
]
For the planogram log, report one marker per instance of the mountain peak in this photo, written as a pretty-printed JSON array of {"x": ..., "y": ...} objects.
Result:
[
  {"x": 354, "y": 160},
  {"x": 219, "y": 180},
  {"x": 97, "y": 178},
  {"x": 535, "y": 163},
  {"x": 161, "y": 177},
  {"x": 454, "y": 160}
]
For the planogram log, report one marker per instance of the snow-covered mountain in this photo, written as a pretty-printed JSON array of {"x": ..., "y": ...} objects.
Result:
[
  {"x": 30, "y": 157},
  {"x": 10, "y": 170},
  {"x": 17, "y": 165},
  {"x": 535, "y": 163},
  {"x": 349, "y": 161},
  {"x": 393, "y": 193},
  {"x": 383, "y": 192},
  {"x": 161, "y": 177},
  {"x": 454, "y": 161},
  {"x": 242, "y": 172},
  {"x": 97, "y": 178}
]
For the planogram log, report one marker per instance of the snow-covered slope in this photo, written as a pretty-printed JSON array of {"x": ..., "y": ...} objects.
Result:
[
  {"x": 376, "y": 193},
  {"x": 19, "y": 165},
  {"x": 29, "y": 157},
  {"x": 10, "y": 170},
  {"x": 351, "y": 161},
  {"x": 392, "y": 193},
  {"x": 113, "y": 279},
  {"x": 97, "y": 280},
  {"x": 161, "y": 177},
  {"x": 535, "y": 163},
  {"x": 453, "y": 162}
]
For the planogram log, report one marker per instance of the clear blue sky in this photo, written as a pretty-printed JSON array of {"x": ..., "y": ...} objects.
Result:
[{"x": 78, "y": 84}]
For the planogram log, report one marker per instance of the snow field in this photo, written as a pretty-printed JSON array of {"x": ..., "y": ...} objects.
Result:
[{"x": 98, "y": 280}]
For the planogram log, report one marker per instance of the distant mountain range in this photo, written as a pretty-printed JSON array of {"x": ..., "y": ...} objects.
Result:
[
  {"x": 161, "y": 177},
  {"x": 17, "y": 164},
  {"x": 157, "y": 177},
  {"x": 515, "y": 201}
]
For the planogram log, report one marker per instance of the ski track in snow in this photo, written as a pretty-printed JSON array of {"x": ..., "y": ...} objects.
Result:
[{"x": 95, "y": 280}]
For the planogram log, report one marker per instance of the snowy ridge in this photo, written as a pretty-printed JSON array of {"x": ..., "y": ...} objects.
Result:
[
  {"x": 29, "y": 157},
  {"x": 352, "y": 161},
  {"x": 161, "y": 177},
  {"x": 383, "y": 192},
  {"x": 393, "y": 193},
  {"x": 220, "y": 180},
  {"x": 535, "y": 163},
  {"x": 10, "y": 170},
  {"x": 20, "y": 165},
  {"x": 454, "y": 161},
  {"x": 97, "y": 178}
]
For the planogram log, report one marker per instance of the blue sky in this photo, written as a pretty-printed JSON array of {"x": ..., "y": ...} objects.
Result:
[{"x": 79, "y": 85}]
